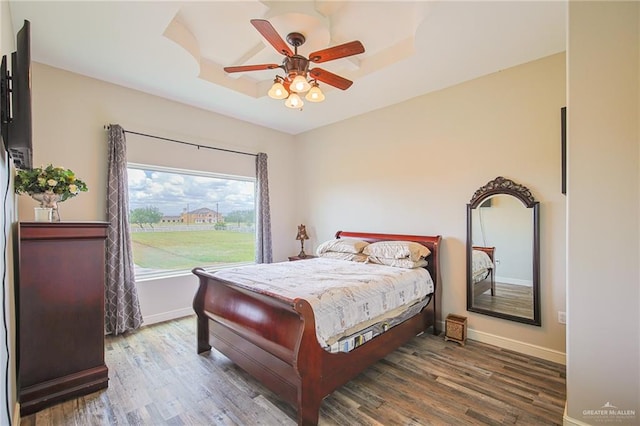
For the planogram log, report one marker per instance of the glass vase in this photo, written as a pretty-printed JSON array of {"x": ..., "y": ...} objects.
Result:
[{"x": 49, "y": 200}]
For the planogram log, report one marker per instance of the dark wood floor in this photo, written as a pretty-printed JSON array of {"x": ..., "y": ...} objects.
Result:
[
  {"x": 156, "y": 378},
  {"x": 509, "y": 299}
]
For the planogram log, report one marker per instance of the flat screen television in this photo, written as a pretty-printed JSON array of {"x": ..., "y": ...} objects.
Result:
[
  {"x": 4, "y": 103},
  {"x": 17, "y": 130}
]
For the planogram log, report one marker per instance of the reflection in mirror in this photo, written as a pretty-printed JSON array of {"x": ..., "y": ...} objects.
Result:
[{"x": 502, "y": 252}]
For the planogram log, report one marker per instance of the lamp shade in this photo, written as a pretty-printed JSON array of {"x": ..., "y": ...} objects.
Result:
[
  {"x": 294, "y": 101},
  {"x": 315, "y": 94},
  {"x": 300, "y": 84},
  {"x": 302, "y": 233},
  {"x": 278, "y": 91}
]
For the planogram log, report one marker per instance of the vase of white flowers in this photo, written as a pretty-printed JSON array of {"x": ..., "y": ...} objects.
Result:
[{"x": 49, "y": 185}]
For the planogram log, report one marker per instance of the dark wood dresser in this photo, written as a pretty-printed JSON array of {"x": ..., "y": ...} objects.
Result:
[{"x": 60, "y": 312}]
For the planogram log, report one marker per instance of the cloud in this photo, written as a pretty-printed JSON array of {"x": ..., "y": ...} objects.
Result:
[{"x": 174, "y": 192}]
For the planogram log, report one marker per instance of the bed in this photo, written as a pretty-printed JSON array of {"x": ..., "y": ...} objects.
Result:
[
  {"x": 274, "y": 339},
  {"x": 483, "y": 270}
]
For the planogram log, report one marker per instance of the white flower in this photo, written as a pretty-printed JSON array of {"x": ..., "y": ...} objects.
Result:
[
  {"x": 73, "y": 189},
  {"x": 52, "y": 182}
]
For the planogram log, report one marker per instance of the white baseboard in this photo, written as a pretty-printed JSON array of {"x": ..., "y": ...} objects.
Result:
[
  {"x": 569, "y": 421},
  {"x": 166, "y": 316},
  {"x": 518, "y": 346},
  {"x": 514, "y": 281}
]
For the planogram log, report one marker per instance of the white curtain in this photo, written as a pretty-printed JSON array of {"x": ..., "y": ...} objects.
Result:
[
  {"x": 263, "y": 213},
  {"x": 122, "y": 308}
]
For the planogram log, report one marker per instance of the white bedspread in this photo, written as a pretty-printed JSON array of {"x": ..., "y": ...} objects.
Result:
[{"x": 344, "y": 295}]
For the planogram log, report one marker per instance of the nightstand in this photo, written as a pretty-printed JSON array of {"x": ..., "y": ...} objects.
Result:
[
  {"x": 296, "y": 257},
  {"x": 456, "y": 328}
]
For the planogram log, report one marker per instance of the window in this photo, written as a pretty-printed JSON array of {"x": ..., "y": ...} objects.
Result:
[{"x": 182, "y": 219}]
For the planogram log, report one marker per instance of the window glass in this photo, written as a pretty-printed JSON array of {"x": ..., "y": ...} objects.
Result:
[{"x": 182, "y": 219}]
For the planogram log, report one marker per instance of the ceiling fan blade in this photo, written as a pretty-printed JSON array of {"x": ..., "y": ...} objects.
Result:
[
  {"x": 265, "y": 28},
  {"x": 260, "y": 67},
  {"x": 330, "y": 78},
  {"x": 337, "y": 52}
]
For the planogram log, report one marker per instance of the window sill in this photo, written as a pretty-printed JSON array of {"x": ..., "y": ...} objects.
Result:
[{"x": 161, "y": 275}]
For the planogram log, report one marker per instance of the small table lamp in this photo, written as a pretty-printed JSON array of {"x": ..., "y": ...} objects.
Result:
[{"x": 302, "y": 235}]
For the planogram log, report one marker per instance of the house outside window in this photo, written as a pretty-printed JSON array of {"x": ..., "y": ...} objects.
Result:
[{"x": 182, "y": 219}]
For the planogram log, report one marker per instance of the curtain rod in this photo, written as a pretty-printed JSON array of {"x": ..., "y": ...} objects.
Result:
[{"x": 107, "y": 127}]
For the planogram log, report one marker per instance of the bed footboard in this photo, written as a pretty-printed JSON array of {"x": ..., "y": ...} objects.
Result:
[{"x": 259, "y": 333}]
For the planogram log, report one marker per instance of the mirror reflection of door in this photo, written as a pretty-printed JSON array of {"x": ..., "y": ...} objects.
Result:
[{"x": 503, "y": 223}]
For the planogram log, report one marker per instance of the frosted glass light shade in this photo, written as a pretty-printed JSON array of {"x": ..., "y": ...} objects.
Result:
[
  {"x": 315, "y": 94},
  {"x": 278, "y": 91},
  {"x": 300, "y": 84},
  {"x": 294, "y": 101}
]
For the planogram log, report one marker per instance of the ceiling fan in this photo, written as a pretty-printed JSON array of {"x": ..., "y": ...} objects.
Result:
[{"x": 297, "y": 66}]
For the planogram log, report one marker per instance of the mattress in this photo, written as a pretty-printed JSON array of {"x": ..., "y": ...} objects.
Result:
[
  {"x": 352, "y": 341},
  {"x": 481, "y": 265},
  {"x": 346, "y": 297}
]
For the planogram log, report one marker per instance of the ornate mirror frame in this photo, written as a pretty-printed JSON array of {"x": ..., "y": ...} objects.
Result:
[{"x": 503, "y": 186}]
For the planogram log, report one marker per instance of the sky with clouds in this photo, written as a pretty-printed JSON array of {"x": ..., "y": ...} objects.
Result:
[{"x": 172, "y": 193}]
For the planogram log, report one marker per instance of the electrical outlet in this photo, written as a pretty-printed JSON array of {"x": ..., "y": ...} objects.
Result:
[{"x": 562, "y": 317}]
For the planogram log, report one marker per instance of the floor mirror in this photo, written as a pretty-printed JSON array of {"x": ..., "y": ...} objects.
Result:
[{"x": 503, "y": 252}]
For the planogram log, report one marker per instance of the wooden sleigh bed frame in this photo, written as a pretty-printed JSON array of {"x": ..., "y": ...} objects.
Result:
[
  {"x": 276, "y": 342},
  {"x": 484, "y": 285}
]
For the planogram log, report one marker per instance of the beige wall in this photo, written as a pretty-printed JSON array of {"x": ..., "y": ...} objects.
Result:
[
  {"x": 6, "y": 272},
  {"x": 69, "y": 113},
  {"x": 413, "y": 167},
  {"x": 8, "y": 393},
  {"x": 435, "y": 151},
  {"x": 402, "y": 165},
  {"x": 603, "y": 356}
]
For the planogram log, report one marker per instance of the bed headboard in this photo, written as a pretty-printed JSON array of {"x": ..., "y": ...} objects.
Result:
[
  {"x": 489, "y": 250},
  {"x": 431, "y": 242}
]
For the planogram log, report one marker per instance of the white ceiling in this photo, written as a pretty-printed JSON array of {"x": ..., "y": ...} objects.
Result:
[{"x": 177, "y": 49}]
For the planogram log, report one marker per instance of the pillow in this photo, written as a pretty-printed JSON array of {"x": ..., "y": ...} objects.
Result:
[
  {"x": 354, "y": 257},
  {"x": 342, "y": 245},
  {"x": 398, "y": 263},
  {"x": 397, "y": 250}
]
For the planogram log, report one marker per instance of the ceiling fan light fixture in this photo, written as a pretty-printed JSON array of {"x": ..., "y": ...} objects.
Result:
[
  {"x": 277, "y": 91},
  {"x": 315, "y": 94},
  {"x": 299, "y": 78},
  {"x": 300, "y": 84},
  {"x": 294, "y": 101}
]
